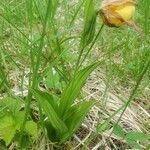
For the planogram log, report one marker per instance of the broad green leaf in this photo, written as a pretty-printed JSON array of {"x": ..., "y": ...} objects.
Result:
[
  {"x": 11, "y": 104},
  {"x": 118, "y": 130},
  {"x": 101, "y": 127},
  {"x": 31, "y": 129},
  {"x": 133, "y": 144},
  {"x": 9, "y": 124},
  {"x": 53, "y": 7},
  {"x": 47, "y": 103},
  {"x": 49, "y": 98},
  {"x": 137, "y": 136},
  {"x": 52, "y": 134},
  {"x": 89, "y": 23},
  {"x": 19, "y": 117},
  {"x": 74, "y": 87},
  {"x": 12, "y": 118},
  {"x": 30, "y": 126},
  {"x": 76, "y": 118},
  {"x": 7, "y": 129}
]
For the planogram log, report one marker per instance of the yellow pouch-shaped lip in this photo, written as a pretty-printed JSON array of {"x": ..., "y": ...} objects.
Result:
[
  {"x": 117, "y": 12},
  {"x": 112, "y": 20},
  {"x": 126, "y": 11}
]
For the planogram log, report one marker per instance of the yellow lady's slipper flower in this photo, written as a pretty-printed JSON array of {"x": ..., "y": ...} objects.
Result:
[{"x": 117, "y": 12}]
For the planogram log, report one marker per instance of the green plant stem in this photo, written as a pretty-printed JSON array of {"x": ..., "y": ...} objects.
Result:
[
  {"x": 94, "y": 41},
  {"x": 78, "y": 60},
  {"x": 78, "y": 64}
]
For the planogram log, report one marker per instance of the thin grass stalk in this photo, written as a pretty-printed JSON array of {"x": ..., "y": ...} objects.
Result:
[
  {"x": 76, "y": 13},
  {"x": 95, "y": 134},
  {"x": 132, "y": 96},
  {"x": 15, "y": 27},
  {"x": 35, "y": 73}
]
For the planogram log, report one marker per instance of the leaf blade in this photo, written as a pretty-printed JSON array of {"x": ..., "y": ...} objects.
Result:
[
  {"x": 54, "y": 119},
  {"x": 137, "y": 136},
  {"x": 74, "y": 87},
  {"x": 76, "y": 118},
  {"x": 118, "y": 130},
  {"x": 89, "y": 23}
]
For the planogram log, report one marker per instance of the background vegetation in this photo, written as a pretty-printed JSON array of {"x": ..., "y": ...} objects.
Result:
[{"x": 47, "y": 51}]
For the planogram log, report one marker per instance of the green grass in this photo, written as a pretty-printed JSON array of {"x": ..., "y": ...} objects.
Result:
[{"x": 53, "y": 46}]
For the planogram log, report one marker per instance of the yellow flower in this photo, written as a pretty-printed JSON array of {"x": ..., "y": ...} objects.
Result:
[{"x": 117, "y": 12}]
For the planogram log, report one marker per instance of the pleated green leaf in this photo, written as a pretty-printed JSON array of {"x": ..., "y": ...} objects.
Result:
[
  {"x": 89, "y": 23},
  {"x": 49, "y": 106},
  {"x": 76, "y": 117},
  {"x": 73, "y": 89}
]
